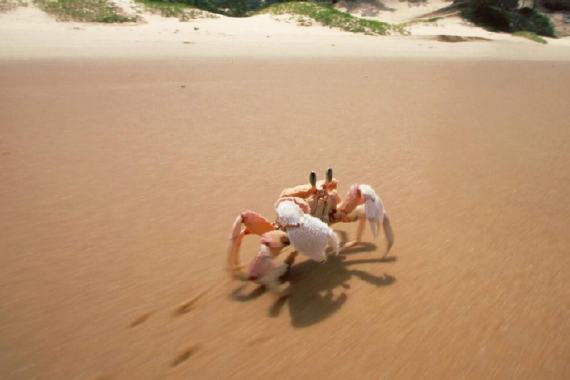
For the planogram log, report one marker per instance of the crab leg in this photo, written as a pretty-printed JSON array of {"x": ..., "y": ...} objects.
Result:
[
  {"x": 254, "y": 224},
  {"x": 359, "y": 215},
  {"x": 389, "y": 232}
]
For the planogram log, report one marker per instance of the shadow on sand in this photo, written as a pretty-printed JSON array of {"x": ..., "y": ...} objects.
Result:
[{"x": 312, "y": 284}]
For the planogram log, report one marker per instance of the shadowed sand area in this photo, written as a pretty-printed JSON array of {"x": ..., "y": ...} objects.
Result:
[{"x": 121, "y": 179}]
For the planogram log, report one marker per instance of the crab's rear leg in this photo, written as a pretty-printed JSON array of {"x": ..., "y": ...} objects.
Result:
[{"x": 254, "y": 224}]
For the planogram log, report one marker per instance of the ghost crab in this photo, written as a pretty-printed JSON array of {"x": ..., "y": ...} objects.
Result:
[{"x": 304, "y": 214}]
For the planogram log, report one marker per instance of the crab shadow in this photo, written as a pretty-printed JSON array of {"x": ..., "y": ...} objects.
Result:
[
  {"x": 312, "y": 284},
  {"x": 312, "y": 299}
]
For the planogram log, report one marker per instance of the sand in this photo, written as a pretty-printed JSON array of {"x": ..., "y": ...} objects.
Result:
[
  {"x": 121, "y": 179},
  {"x": 126, "y": 152}
]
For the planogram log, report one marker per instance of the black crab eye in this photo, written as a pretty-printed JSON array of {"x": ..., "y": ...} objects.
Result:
[
  {"x": 313, "y": 178},
  {"x": 329, "y": 175}
]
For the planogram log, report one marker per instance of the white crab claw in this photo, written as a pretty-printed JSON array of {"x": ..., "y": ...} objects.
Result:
[
  {"x": 289, "y": 213},
  {"x": 374, "y": 208}
]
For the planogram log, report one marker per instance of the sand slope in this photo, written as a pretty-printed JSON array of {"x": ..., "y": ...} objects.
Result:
[{"x": 28, "y": 33}]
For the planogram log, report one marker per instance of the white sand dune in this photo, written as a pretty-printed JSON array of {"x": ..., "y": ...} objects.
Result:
[{"x": 30, "y": 33}]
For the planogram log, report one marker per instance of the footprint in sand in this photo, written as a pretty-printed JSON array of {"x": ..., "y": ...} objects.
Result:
[
  {"x": 259, "y": 340},
  {"x": 141, "y": 319},
  {"x": 185, "y": 307},
  {"x": 184, "y": 354}
]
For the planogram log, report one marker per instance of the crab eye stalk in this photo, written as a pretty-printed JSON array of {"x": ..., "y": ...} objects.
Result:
[
  {"x": 329, "y": 175},
  {"x": 313, "y": 179}
]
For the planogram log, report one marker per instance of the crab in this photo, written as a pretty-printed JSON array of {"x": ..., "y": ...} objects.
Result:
[{"x": 304, "y": 216}]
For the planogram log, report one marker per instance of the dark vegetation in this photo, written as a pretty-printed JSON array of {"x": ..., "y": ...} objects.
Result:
[
  {"x": 497, "y": 15},
  {"x": 182, "y": 11},
  {"x": 305, "y": 13},
  {"x": 243, "y": 8},
  {"x": 505, "y": 16},
  {"x": 556, "y": 5}
]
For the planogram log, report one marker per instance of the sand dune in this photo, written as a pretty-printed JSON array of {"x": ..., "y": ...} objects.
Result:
[
  {"x": 28, "y": 33},
  {"x": 392, "y": 11}
]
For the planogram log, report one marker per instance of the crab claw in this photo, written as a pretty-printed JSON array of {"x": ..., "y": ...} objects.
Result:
[
  {"x": 374, "y": 208},
  {"x": 361, "y": 201},
  {"x": 303, "y": 205},
  {"x": 254, "y": 224},
  {"x": 289, "y": 213},
  {"x": 262, "y": 266},
  {"x": 308, "y": 235}
]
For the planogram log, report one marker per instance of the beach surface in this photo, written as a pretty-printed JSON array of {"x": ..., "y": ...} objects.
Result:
[
  {"x": 126, "y": 153},
  {"x": 121, "y": 179}
]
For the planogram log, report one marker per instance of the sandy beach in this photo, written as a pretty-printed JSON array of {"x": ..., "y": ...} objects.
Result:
[{"x": 124, "y": 166}]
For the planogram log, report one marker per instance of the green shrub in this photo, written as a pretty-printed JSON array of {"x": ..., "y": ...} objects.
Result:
[
  {"x": 499, "y": 19},
  {"x": 531, "y": 36},
  {"x": 84, "y": 10},
  {"x": 333, "y": 18},
  {"x": 183, "y": 11}
]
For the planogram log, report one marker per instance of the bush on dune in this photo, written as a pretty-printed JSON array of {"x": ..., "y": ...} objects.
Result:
[
  {"x": 182, "y": 11},
  {"x": 84, "y": 10},
  {"x": 328, "y": 16},
  {"x": 531, "y": 36},
  {"x": 556, "y": 5},
  {"x": 500, "y": 15}
]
